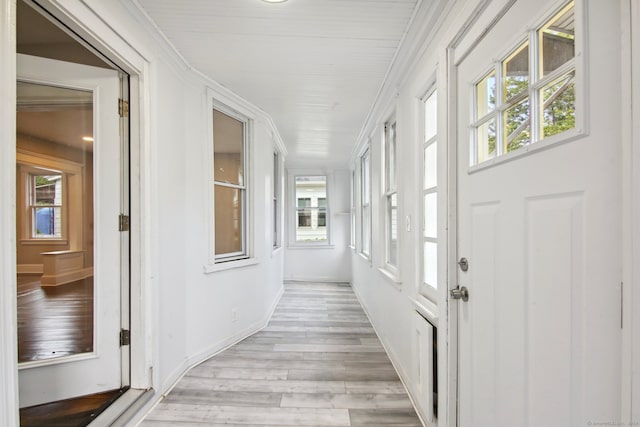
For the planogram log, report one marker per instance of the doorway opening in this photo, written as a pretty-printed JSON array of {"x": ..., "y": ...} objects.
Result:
[{"x": 72, "y": 168}]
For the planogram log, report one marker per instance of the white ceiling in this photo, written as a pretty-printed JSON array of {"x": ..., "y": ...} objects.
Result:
[{"x": 314, "y": 65}]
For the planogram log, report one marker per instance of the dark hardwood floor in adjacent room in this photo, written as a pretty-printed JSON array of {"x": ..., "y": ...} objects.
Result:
[
  {"x": 317, "y": 363},
  {"x": 54, "y": 321}
]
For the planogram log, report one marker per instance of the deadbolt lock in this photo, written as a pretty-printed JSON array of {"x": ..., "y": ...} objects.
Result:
[{"x": 464, "y": 264}]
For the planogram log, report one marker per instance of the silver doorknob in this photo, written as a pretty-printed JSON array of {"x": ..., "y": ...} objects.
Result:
[{"x": 460, "y": 293}]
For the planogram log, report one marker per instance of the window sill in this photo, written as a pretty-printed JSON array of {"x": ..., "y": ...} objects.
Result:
[
  {"x": 275, "y": 250},
  {"x": 391, "y": 277},
  {"x": 310, "y": 246},
  {"x": 222, "y": 266},
  {"x": 365, "y": 257},
  {"x": 44, "y": 242},
  {"x": 549, "y": 142},
  {"x": 426, "y": 309}
]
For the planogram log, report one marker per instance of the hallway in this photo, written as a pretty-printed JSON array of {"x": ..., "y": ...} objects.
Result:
[{"x": 317, "y": 363}]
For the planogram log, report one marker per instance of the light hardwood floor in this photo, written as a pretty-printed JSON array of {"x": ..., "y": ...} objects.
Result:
[{"x": 317, "y": 363}]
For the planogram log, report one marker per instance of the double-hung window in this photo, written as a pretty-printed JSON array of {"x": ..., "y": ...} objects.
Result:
[
  {"x": 529, "y": 95},
  {"x": 365, "y": 204},
  {"x": 311, "y": 209},
  {"x": 430, "y": 198},
  {"x": 390, "y": 196},
  {"x": 45, "y": 205},
  {"x": 230, "y": 185},
  {"x": 276, "y": 199}
]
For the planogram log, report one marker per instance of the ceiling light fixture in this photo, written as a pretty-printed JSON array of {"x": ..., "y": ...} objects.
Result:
[{"x": 274, "y": 1}]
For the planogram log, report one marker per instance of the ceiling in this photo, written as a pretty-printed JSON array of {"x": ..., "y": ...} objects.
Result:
[{"x": 314, "y": 65}]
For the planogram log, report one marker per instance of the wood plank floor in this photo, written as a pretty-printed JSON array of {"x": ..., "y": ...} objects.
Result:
[
  {"x": 54, "y": 321},
  {"x": 317, "y": 363}
]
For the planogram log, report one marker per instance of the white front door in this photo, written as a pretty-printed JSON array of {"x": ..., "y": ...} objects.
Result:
[
  {"x": 72, "y": 236},
  {"x": 539, "y": 337}
]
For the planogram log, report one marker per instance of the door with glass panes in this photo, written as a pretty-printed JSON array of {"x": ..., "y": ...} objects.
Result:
[
  {"x": 70, "y": 251},
  {"x": 538, "y": 219}
]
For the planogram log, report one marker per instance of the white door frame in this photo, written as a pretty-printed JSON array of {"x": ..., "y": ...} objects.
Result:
[
  {"x": 88, "y": 24},
  {"x": 630, "y": 405},
  {"x": 8, "y": 321}
]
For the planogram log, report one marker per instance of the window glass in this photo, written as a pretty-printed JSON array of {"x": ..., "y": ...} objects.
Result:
[
  {"x": 486, "y": 95},
  {"x": 517, "y": 126},
  {"x": 549, "y": 88},
  {"x": 431, "y": 166},
  {"x": 393, "y": 229},
  {"x": 228, "y": 220},
  {"x": 311, "y": 208},
  {"x": 46, "y": 206},
  {"x": 559, "y": 105},
  {"x": 431, "y": 117},
  {"x": 558, "y": 41},
  {"x": 390, "y": 156},
  {"x": 516, "y": 72},
  {"x": 228, "y": 145},
  {"x": 229, "y": 186}
]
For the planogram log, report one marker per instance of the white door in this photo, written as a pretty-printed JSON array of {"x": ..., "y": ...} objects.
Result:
[
  {"x": 539, "y": 337},
  {"x": 89, "y": 253}
]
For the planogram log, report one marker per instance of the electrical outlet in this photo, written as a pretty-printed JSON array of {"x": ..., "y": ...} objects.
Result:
[{"x": 234, "y": 314}]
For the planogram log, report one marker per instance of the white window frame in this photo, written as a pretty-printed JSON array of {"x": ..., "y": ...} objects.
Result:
[
  {"x": 535, "y": 85},
  {"x": 35, "y": 163},
  {"x": 390, "y": 190},
  {"x": 293, "y": 210},
  {"x": 425, "y": 289},
  {"x": 365, "y": 202},
  {"x": 352, "y": 211},
  {"x": 246, "y": 257},
  {"x": 276, "y": 208}
]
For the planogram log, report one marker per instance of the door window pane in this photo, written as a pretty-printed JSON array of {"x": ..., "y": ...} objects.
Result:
[
  {"x": 516, "y": 72},
  {"x": 559, "y": 105},
  {"x": 55, "y": 222},
  {"x": 517, "y": 126},
  {"x": 486, "y": 135},
  {"x": 558, "y": 41},
  {"x": 486, "y": 95}
]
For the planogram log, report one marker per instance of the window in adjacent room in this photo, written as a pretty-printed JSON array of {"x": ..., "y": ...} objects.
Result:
[
  {"x": 311, "y": 209},
  {"x": 45, "y": 205}
]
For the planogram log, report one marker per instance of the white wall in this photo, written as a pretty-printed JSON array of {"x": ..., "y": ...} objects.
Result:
[
  {"x": 313, "y": 262},
  {"x": 188, "y": 311}
]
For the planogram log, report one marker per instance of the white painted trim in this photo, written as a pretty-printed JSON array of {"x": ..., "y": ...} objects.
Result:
[
  {"x": 405, "y": 378},
  {"x": 211, "y": 351},
  {"x": 8, "y": 320},
  {"x": 228, "y": 265},
  {"x": 92, "y": 26},
  {"x": 630, "y": 363}
]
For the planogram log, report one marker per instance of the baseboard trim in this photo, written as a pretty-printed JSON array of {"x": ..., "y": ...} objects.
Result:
[{"x": 200, "y": 357}]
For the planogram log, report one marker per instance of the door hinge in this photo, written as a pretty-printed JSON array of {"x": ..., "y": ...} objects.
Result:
[
  {"x": 123, "y": 222},
  {"x": 125, "y": 337},
  {"x": 123, "y": 108}
]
